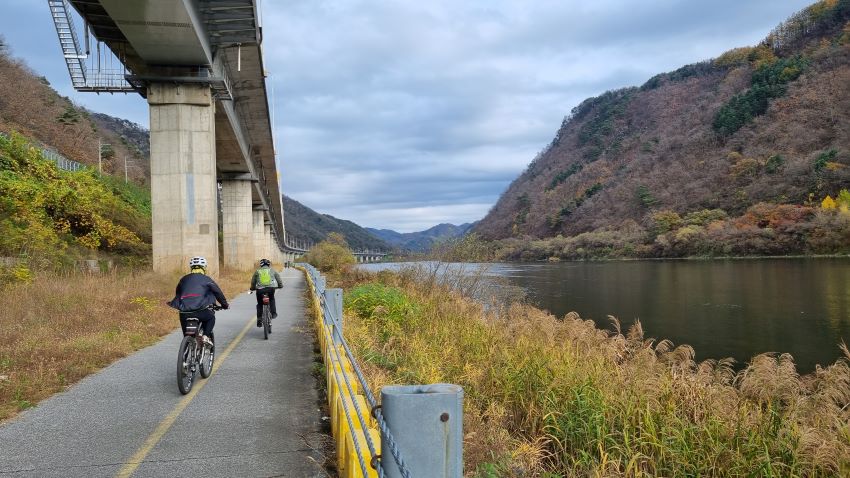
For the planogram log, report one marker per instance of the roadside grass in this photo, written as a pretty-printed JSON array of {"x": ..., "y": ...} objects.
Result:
[
  {"x": 549, "y": 397},
  {"x": 61, "y": 327}
]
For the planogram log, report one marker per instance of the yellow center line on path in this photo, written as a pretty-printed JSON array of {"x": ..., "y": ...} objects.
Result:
[{"x": 169, "y": 419}]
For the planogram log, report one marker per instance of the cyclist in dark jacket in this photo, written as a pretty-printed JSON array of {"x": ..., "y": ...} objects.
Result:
[
  {"x": 265, "y": 281},
  {"x": 195, "y": 292}
]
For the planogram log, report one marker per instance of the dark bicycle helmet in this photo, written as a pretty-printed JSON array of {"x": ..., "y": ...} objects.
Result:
[{"x": 265, "y": 262}]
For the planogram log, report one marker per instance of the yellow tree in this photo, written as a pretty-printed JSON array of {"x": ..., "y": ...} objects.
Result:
[{"x": 828, "y": 203}]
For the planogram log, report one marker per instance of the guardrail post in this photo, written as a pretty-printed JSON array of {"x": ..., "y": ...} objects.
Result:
[
  {"x": 426, "y": 422},
  {"x": 333, "y": 297}
]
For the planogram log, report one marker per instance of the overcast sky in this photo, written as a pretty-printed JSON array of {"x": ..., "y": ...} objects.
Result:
[{"x": 403, "y": 114}]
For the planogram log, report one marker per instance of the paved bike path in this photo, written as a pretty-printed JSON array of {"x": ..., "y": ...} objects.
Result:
[{"x": 256, "y": 416}]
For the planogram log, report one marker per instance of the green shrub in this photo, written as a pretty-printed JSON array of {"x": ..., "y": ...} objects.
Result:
[
  {"x": 384, "y": 307},
  {"x": 774, "y": 164},
  {"x": 705, "y": 216},
  {"x": 563, "y": 175},
  {"x": 523, "y": 208},
  {"x": 645, "y": 197},
  {"x": 606, "y": 109},
  {"x": 666, "y": 221},
  {"x": 823, "y": 159},
  {"x": 331, "y": 255},
  {"x": 53, "y": 216},
  {"x": 364, "y": 300},
  {"x": 587, "y": 194},
  {"x": 768, "y": 82}
]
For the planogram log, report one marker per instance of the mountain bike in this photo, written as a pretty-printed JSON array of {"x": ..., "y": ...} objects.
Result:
[
  {"x": 196, "y": 353},
  {"x": 267, "y": 315}
]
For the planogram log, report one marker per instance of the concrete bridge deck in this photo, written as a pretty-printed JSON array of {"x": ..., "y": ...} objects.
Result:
[{"x": 256, "y": 416}]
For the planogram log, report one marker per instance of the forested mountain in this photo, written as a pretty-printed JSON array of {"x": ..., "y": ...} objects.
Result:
[
  {"x": 134, "y": 136},
  {"x": 765, "y": 127},
  {"x": 306, "y": 225},
  {"x": 423, "y": 240},
  {"x": 31, "y": 107}
]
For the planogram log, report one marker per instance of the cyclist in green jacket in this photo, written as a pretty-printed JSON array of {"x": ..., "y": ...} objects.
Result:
[{"x": 265, "y": 281}]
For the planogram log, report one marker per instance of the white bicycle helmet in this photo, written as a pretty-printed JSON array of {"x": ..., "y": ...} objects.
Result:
[{"x": 197, "y": 262}]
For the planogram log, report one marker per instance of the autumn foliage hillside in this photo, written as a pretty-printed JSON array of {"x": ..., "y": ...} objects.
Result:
[
  {"x": 31, "y": 107},
  {"x": 760, "y": 131},
  {"x": 50, "y": 218}
]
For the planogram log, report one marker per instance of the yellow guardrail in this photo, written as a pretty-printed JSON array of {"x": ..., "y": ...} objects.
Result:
[{"x": 351, "y": 420}]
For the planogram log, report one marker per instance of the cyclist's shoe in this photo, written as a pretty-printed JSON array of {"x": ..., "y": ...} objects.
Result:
[
  {"x": 259, "y": 322},
  {"x": 274, "y": 316},
  {"x": 207, "y": 341}
]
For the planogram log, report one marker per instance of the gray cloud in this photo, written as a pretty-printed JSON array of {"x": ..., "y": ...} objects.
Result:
[
  {"x": 401, "y": 114},
  {"x": 418, "y": 113}
]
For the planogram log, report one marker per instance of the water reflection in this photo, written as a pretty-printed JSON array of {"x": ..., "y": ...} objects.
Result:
[{"x": 722, "y": 308}]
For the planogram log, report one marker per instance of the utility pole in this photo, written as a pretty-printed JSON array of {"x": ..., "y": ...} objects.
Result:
[{"x": 100, "y": 145}]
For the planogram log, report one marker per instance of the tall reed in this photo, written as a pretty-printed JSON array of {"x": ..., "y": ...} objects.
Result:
[{"x": 549, "y": 396}]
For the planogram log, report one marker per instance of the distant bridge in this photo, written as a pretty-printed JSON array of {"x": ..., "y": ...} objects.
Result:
[
  {"x": 370, "y": 256},
  {"x": 300, "y": 248},
  {"x": 199, "y": 64}
]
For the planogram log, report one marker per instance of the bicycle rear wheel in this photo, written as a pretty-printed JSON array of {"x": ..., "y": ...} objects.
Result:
[
  {"x": 267, "y": 322},
  {"x": 186, "y": 364},
  {"x": 207, "y": 360}
]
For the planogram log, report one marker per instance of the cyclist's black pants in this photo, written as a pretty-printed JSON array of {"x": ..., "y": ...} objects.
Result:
[
  {"x": 207, "y": 318},
  {"x": 270, "y": 292}
]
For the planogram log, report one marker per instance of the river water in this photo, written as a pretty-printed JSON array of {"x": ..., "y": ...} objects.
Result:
[{"x": 723, "y": 308}]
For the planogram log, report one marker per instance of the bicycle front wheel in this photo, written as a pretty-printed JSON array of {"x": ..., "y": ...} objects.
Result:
[{"x": 186, "y": 364}]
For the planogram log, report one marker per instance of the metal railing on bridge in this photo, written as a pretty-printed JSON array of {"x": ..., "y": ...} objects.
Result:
[{"x": 416, "y": 431}]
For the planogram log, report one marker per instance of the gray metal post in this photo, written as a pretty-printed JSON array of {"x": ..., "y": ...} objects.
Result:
[
  {"x": 426, "y": 422},
  {"x": 333, "y": 298}
]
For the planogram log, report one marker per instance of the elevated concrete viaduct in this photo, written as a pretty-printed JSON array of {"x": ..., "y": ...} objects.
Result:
[{"x": 199, "y": 63}]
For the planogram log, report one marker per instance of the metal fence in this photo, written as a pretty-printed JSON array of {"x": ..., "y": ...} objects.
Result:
[
  {"x": 417, "y": 431},
  {"x": 61, "y": 161},
  {"x": 51, "y": 155}
]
